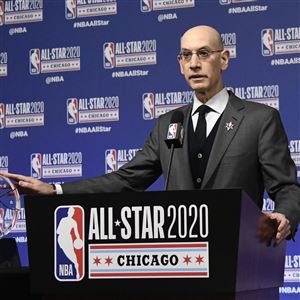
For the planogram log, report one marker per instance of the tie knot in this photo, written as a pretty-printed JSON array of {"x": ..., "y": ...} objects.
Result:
[{"x": 202, "y": 110}]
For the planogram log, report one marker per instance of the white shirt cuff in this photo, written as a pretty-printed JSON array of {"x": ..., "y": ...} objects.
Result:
[{"x": 58, "y": 188}]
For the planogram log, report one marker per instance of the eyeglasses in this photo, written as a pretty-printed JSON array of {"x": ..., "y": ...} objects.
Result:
[{"x": 186, "y": 55}]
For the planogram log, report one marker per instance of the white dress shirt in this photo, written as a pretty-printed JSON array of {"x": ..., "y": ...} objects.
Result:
[{"x": 217, "y": 103}]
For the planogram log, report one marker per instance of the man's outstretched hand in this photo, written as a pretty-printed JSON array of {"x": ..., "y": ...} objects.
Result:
[{"x": 29, "y": 185}]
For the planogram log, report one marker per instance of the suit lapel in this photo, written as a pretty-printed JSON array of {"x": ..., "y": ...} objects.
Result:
[{"x": 229, "y": 125}]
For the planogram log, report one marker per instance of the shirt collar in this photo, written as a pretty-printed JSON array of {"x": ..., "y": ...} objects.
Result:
[{"x": 217, "y": 103}]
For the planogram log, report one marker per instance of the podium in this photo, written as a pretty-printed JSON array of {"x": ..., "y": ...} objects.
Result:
[
  {"x": 9, "y": 256},
  {"x": 153, "y": 245}
]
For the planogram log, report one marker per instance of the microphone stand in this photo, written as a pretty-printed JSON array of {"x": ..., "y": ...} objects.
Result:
[{"x": 169, "y": 167}]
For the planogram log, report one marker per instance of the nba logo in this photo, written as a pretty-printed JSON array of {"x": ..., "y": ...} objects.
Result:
[
  {"x": 2, "y": 115},
  {"x": 36, "y": 165},
  {"x": 148, "y": 106},
  {"x": 34, "y": 61},
  {"x": 110, "y": 160},
  {"x": 146, "y": 5},
  {"x": 72, "y": 111},
  {"x": 172, "y": 131},
  {"x": 108, "y": 55},
  {"x": 267, "y": 42},
  {"x": 1, "y": 13},
  {"x": 224, "y": 2},
  {"x": 69, "y": 243},
  {"x": 70, "y": 9}
]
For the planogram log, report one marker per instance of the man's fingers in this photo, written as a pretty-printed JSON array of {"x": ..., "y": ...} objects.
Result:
[
  {"x": 24, "y": 184},
  {"x": 283, "y": 223},
  {"x": 27, "y": 185},
  {"x": 283, "y": 232},
  {"x": 284, "y": 227},
  {"x": 17, "y": 177}
]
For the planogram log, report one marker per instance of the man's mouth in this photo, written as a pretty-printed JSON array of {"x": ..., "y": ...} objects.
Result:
[{"x": 197, "y": 76}]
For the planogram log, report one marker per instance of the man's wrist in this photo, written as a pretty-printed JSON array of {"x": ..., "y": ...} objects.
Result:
[
  {"x": 57, "y": 189},
  {"x": 54, "y": 189}
]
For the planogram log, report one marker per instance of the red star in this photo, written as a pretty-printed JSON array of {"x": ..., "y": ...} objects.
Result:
[
  {"x": 187, "y": 259},
  {"x": 199, "y": 259},
  {"x": 97, "y": 261},
  {"x": 108, "y": 260}
]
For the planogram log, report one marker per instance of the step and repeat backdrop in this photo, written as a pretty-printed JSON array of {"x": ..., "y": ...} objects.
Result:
[{"x": 83, "y": 81}]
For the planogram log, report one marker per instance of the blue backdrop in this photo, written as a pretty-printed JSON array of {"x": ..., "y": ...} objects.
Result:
[{"x": 82, "y": 82}]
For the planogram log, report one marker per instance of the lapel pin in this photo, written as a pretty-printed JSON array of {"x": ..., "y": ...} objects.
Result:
[{"x": 229, "y": 126}]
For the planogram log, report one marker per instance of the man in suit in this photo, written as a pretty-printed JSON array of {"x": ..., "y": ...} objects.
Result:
[{"x": 244, "y": 143}]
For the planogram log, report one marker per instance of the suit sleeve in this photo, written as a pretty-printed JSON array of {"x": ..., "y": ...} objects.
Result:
[
  {"x": 278, "y": 168},
  {"x": 136, "y": 175}
]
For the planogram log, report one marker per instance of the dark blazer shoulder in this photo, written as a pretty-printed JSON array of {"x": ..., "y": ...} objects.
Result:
[{"x": 250, "y": 107}]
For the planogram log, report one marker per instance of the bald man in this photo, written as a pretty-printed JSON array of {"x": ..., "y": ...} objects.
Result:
[{"x": 242, "y": 145}]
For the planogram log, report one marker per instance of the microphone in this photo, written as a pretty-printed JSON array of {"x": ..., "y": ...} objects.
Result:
[
  {"x": 175, "y": 130},
  {"x": 174, "y": 139}
]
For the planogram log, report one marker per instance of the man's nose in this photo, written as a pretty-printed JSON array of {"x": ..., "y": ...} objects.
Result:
[{"x": 195, "y": 61}]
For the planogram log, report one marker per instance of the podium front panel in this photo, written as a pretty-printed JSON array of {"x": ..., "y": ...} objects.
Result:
[{"x": 180, "y": 243}]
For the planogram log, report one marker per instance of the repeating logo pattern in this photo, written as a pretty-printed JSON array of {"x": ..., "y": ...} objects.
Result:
[
  {"x": 2, "y": 115},
  {"x": 116, "y": 158},
  {"x": 1, "y": 13},
  {"x": 110, "y": 160},
  {"x": 34, "y": 61},
  {"x": 280, "y": 41},
  {"x": 148, "y": 106},
  {"x": 267, "y": 42},
  {"x": 154, "y": 5},
  {"x": 157, "y": 104},
  {"x": 20, "y": 11},
  {"x": 3, "y": 163},
  {"x": 49, "y": 60},
  {"x": 230, "y": 43},
  {"x": 92, "y": 110},
  {"x": 70, "y": 9},
  {"x": 72, "y": 111},
  {"x": 108, "y": 55},
  {"x": 36, "y": 165},
  {"x": 243, "y": 6},
  {"x": 128, "y": 54},
  {"x": 22, "y": 114},
  {"x": 3, "y": 62},
  {"x": 292, "y": 268},
  {"x": 226, "y": 2},
  {"x": 82, "y": 9},
  {"x": 56, "y": 165},
  {"x": 264, "y": 94}
]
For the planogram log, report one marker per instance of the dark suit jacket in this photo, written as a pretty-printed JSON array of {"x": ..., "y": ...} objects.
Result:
[{"x": 252, "y": 156}]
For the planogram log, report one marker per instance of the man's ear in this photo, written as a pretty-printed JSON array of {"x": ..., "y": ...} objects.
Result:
[
  {"x": 180, "y": 64},
  {"x": 224, "y": 60}
]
